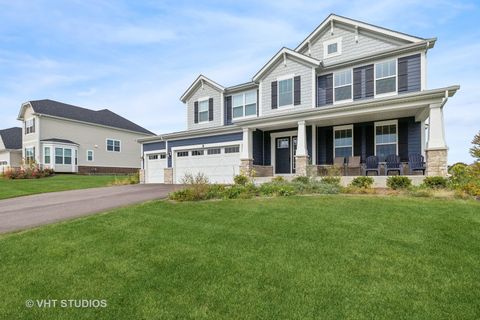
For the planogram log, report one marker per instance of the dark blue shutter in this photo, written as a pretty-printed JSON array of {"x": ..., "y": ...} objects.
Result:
[
  {"x": 296, "y": 91},
  {"x": 274, "y": 95},
  {"x": 409, "y": 74},
  {"x": 228, "y": 110},
  {"x": 195, "y": 112},
  {"x": 210, "y": 109},
  {"x": 325, "y": 90}
]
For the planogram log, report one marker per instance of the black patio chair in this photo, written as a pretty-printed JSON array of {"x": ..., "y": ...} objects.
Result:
[
  {"x": 392, "y": 163},
  {"x": 416, "y": 163},
  {"x": 371, "y": 164}
]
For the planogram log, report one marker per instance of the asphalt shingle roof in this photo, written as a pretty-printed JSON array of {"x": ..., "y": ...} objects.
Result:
[
  {"x": 12, "y": 138},
  {"x": 103, "y": 117}
]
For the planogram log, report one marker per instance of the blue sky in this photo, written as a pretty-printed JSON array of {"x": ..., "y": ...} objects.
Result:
[{"x": 137, "y": 57}]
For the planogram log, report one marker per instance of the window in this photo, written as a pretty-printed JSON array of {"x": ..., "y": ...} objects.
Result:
[
  {"x": 67, "y": 156},
  {"x": 386, "y": 77},
  {"x": 163, "y": 156},
  {"x": 385, "y": 139},
  {"x": 58, "y": 155},
  {"x": 46, "y": 155},
  {"x": 153, "y": 157},
  {"x": 197, "y": 153},
  {"x": 30, "y": 154},
  {"x": 233, "y": 149},
  {"x": 343, "y": 85},
  {"x": 30, "y": 126},
  {"x": 203, "y": 111},
  {"x": 283, "y": 143},
  {"x": 76, "y": 157},
  {"x": 244, "y": 104},
  {"x": 113, "y": 145},
  {"x": 343, "y": 141},
  {"x": 90, "y": 155},
  {"x": 3, "y": 163},
  {"x": 332, "y": 48},
  {"x": 285, "y": 92},
  {"x": 214, "y": 151},
  {"x": 182, "y": 154}
]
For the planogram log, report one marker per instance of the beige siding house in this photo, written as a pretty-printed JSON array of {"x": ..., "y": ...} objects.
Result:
[
  {"x": 10, "y": 148},
  {"x": 73, "y": 139}
]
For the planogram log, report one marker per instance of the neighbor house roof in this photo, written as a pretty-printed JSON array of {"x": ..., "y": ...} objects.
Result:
[
  {"x": 103, "y": 117},
  {"x": 12, "y": 138}
]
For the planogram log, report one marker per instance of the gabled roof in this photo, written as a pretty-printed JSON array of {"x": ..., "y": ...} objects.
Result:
[
  {"x": 103, "y": 117},
  {"x": 12, "y": 138},
  {"x": 201, "y": 78},
  {"x": 358, "y": 24},
  {"x": 281, "y": 55}
]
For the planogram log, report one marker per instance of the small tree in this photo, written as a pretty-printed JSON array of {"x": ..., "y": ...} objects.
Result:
[{"x": 475, "y": 150}]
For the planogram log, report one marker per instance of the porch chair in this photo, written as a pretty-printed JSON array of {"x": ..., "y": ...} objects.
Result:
[
  {"x": 354, "y": 163},
  {"x": 392, "y": 163},
  {"x": 416, "y": 163},
  {"x": 371, "y": 164},
  {"x": 339, "y": 162}
]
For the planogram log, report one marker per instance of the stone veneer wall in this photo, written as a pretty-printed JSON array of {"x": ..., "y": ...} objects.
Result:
[
  {"x": 263, "y": 171},
  {"x": 437, "y": 162},
  {"x": 168, "y": 176}
]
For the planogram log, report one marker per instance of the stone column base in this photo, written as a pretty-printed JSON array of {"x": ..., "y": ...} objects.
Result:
[
  {"x": 141, "y": 175},
  {"x": 168, "y": 175},
  {"x": 246, "y": 167},
  {"x": 436, "y": 162},
  {"x": 301, "y": 165}
]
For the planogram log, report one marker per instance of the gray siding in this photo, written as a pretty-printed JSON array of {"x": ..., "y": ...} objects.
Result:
[
  {"x": 295, "y": 68},
  {"x": 367, "y": 44},
  {"x": 409, "y": 74},
  {"x": 206, "y": 91},
  {"x": 153, "y": 146}
]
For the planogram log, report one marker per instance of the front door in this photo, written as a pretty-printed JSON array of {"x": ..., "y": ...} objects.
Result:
[{"x": 282, "y": 155}]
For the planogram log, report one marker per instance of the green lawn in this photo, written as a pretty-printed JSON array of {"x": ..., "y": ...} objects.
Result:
[
  {"x": 59, "y": 182},
  {"x": 325, "y": 257}
]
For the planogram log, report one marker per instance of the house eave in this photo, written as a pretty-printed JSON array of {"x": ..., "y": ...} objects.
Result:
[
  {"x": 200, "y": 78},
  {"x": 191, "y": 134}
]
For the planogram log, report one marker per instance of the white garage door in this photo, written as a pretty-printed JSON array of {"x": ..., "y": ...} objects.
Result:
[
  {"x": 154, "y": 167},
  {"x": 219, "y": 164}
]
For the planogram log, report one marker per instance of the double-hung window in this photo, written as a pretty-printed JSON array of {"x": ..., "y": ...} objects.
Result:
[
  {"x": 89, "y": 155},
  {"x": 386, "y": 77},
  {"x": 343, "y": 85},
  {"x": 113, "y": 145},
  {"x": 30, "y": 126},
  {"x": 343, "y": 141},
  {"x": 203, "y": 111},
  {"x": 46, "y": 155},
  {"x": 244, "y": 104},
  {"x": 386, "y": 139},
  {"x": 58, "y": 155},
  {"x": 30, "y": 155},
  {"x": 285, "y": 92},
  {"x": 67, "y": 156}
]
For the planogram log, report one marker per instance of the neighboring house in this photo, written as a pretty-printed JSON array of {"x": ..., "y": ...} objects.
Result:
[
  {"x": 74, "y": 139},
  {"x": 349, "y": 89},
  {"x": 10, "y": 148}
]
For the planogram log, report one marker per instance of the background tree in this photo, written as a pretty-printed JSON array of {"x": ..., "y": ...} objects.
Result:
[{"x": 475, "y": 150}]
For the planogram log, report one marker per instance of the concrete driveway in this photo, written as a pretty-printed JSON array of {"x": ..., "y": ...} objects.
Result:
[{"x": 30, "y": 211}]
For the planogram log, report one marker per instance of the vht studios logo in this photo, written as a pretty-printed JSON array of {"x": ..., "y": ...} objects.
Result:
[{"x": 66, "y": 303}]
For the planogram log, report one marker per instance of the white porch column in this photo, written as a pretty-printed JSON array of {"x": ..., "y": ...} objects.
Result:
[
  {"x": 436, "y": 152},
  {"x": 246, "y": 157},
  {"x": 301, "y": 154}
]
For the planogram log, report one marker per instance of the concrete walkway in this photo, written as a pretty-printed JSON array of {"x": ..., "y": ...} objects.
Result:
[{"x": 30, "y": 211}]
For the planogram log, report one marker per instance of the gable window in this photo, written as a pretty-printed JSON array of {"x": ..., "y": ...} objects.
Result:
[
  {"x": 29, "y": 126},
  {"x": 89, "y": 155},
  {"x": 386, "y": 139},
  {"x": 30, "y": 155},
  {"x": 343, "y": 85},
  {"x": 285, "y": 92},
  {"x": 332, "y": 48},
  {"x": 113, "y": 145},
  {"x": 386, "y": 77},
  {"x": 244, "y": 104},
  {"x": 203, "y": 111},
  {"x": 46, "y": 155},
  {"x": 343, "y": 141}
]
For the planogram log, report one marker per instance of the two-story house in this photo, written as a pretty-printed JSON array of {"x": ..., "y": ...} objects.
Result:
[
  {"x": 73, "y": 139},
  {"x": 349, "y": 89},
  {"x": 10, "y": 148}
]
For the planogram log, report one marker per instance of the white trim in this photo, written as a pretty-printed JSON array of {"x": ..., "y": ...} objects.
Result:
[
  {"x": 204, "y": 146},
  {"x": 203, "y": 99},
  {"x": 351, "y": 86},
  {"x": 284, "y": 78},
  {"x": 326, "y": 43},
  {"x": 244, "y": 104},
  {"x": 222, "y": 107},
  {"x": 338, "y": 128},
  {"x": 385, "y": 123},
  {"x": 423, "y": 70},
  {"x": 387, "y": 94},
  {"x": 314, "y": 88},
  {"x": 273, "y": 137},
  {"x": 106, "y": 145},
  {"x": 44, "y": 154},
  {"x": 155, "y": 152},
  {"x": 260, "y": 103},
  {"x": 200, "y": 78},
  {"x": 93, "y": 155},
  {"x": 314, "y": 144}
]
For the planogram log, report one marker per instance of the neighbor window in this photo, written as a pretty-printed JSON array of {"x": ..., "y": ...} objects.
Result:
[
  {"x": 214, "y": 151},
  {"x": 285, "y": 92},
  {"x": 343, "y": 85},
  {"x": 76, "y": 157},
  {"x": 46, "y": 155},
  {"x": 203, "y": 111},
  {"x": 343, "y": 141},
  {"x": 197, "y": 153},
  {"x": 58, "y": 155},
  {"x": 244, "y": 104},
  {"x": 233, "y": 149},
  {"x": 386, "y": 77},
  {"x": 385, "y": 139},
  {"x": 113, "y": 145},
  {"x": 89, "y": 155},
  {"x": 30, "y": 155},
  {"x": 182, "y": 154},
  {"x": 30, "y": 126},
  {"x": 64, "y": 156}
]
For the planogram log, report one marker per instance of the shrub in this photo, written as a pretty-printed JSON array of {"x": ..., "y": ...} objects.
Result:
[
  {"x": 398, "y": 182},
  {"x": 197, "y": 188},
  {"x": 31, "y": 171},
  {"x": 198, "y": 179},
  {"x": 331, "y": 180},
  {"x": 358, "y": 190},
  {"x": 419, "y": 192},
  {"x": 276, "y": 189},
  {"x": 301, "y": 179},
  {"x": 435, "y": 182},
  {"x": 130, "y": 179},
  {"x": 279, "y": 179},
  {"x": 240, "y": 179},
  {"x": 362, "y": 182},
  {"x": 240, "y": 191},
  {"x": 320, "y": 187}
]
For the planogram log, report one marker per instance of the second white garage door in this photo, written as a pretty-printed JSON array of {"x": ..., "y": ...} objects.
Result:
[
  {"x": 154, "y": 167},
  {"x": 219, "y": 164}
]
